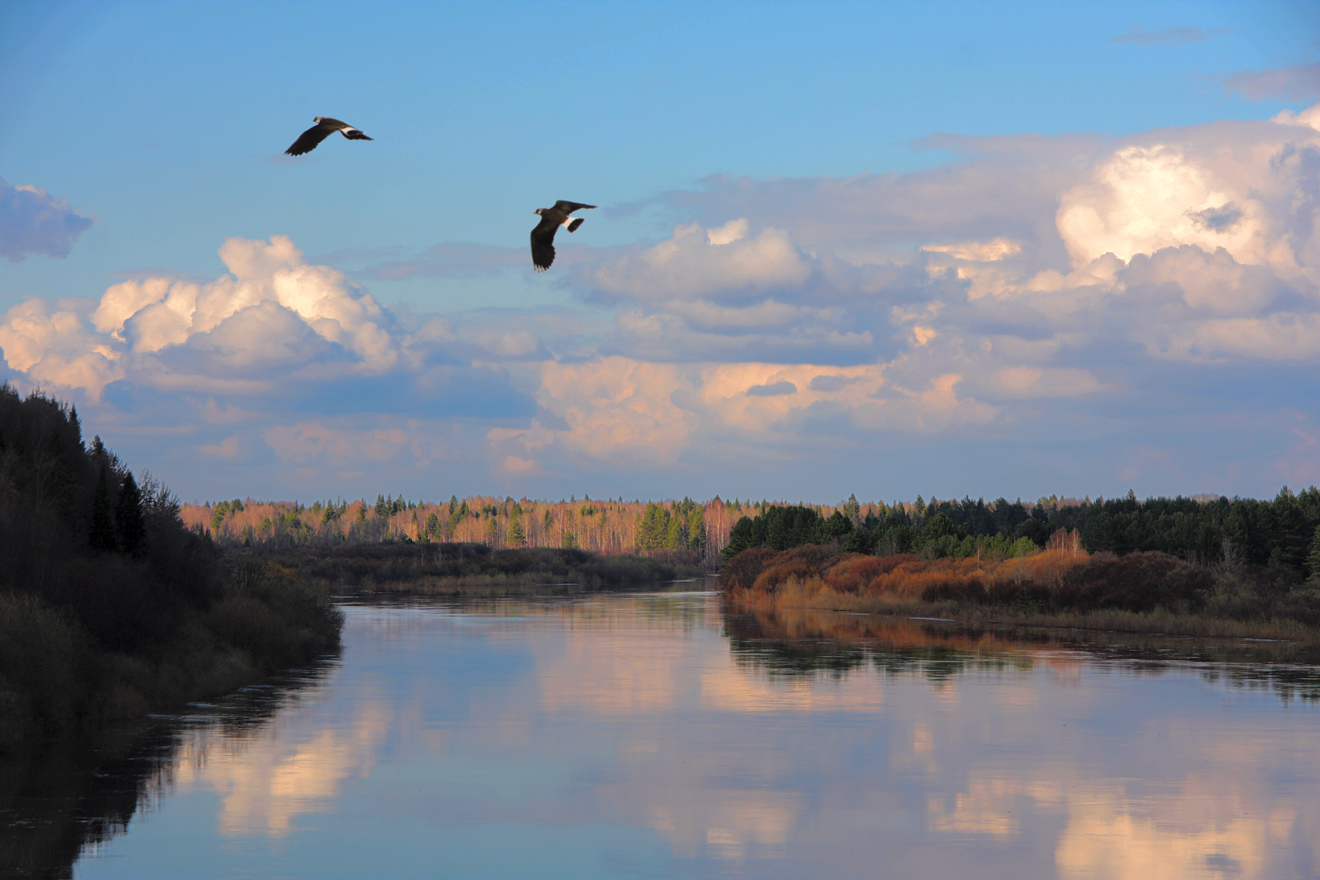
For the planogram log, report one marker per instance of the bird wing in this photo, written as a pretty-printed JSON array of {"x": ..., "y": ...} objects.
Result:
[
  {"x": 570, "y": 207},
  {"x": 543, "y": 244},
  {"x": 308, "y": 140}
]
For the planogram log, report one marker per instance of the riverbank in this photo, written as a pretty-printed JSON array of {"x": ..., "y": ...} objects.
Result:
[
  {"x": 110, "y": 607},
  {"x": 57, "y": 677},
  {"x": 468, "y": 569},
  {"x": 1138, "y": 593}
]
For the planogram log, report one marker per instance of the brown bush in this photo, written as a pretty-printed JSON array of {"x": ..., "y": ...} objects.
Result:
[
  {"x": 1135, "y": 582},
  {"x": 854, "y": 573},
  {"x": 804, "y": 563},
  {"x": 741, "y": 572}
]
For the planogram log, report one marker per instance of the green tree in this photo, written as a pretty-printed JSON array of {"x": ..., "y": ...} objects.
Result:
[
  {"x": 517, "y": 537},
  {"x": 696, "y": 529},
  {"x": 652, "y": 527},
  {"x": 1313, "y": 557}
]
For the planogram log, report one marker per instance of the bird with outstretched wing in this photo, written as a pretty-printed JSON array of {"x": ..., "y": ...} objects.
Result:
[
  {"x": 543, "y": 236},
  {"x": 325, "y": 126}
]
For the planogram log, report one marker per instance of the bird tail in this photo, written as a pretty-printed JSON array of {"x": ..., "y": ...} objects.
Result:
[
  {"x": 354, "y": 135},
  {"x": 574, "y": 224}
]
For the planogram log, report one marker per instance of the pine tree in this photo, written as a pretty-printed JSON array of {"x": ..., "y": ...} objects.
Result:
[
  {"x": 129, "y": 527},
  {"x": 101, "y": 536}
]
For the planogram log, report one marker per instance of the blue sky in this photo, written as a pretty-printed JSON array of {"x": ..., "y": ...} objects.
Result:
[{"x": 984, "y": 248}]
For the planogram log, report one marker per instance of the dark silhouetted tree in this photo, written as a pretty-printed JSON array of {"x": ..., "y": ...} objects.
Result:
[
  {"x": 101, "y": 535},
  {"x": 129, "y": 527}
]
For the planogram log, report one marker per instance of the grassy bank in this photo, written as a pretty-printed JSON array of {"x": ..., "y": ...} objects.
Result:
[
  {"x": 1137, "y": 593},
  {"x": 469, "y": 569}
]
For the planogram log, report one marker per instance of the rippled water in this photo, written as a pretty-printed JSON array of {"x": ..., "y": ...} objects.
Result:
[{"x": 655, "y": 736}]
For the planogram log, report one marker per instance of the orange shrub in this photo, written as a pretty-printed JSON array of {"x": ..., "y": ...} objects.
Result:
[
  {"x": 854, "y": 573},
  {"x": 1064, "y": 577}
]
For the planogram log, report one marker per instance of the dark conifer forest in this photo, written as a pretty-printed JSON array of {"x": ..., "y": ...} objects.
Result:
[{"x": 109, "y": 605}]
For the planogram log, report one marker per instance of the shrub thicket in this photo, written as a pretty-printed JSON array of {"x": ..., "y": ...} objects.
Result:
[{"x": 1055, "y": 580}]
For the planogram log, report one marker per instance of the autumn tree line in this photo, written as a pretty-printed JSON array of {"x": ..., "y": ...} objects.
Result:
[
  {"x": 683, "y": 529},
  {"x": 109, "y": 604},
  {"x": 1279, "y": 533}
]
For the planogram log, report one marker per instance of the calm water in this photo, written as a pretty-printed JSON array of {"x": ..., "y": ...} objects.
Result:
[{"x": 652, "y": 736}]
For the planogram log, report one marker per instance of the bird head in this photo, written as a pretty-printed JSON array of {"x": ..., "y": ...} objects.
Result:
[
  {"x": 539, "y": 211},
  {"x": 317, "y": 118}
]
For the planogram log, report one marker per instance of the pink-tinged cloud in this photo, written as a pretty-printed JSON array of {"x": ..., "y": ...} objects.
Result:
[{"x": 1300, "y": 82}]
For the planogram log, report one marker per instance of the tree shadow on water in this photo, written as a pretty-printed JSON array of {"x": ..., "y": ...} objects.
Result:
[
  {"x": 788, "y": 642},
  {"x": 63, "y": 799}
]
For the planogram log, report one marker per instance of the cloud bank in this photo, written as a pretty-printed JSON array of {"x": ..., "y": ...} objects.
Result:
[{"x": 1154, "y": 299}]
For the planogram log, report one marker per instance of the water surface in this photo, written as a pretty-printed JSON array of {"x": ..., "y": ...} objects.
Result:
[{"x": 655, "y": 736}]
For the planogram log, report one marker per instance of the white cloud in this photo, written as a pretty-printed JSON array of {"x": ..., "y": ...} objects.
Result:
[
  {"x": 1147, "y": 198},
  {"x": 979, "y": 251},
  {"x": 696, "y": 262},
  {"x": 52, "y": 345},
  {"x": 273, "y": 309},
  {"x": 34, "y": 222}
]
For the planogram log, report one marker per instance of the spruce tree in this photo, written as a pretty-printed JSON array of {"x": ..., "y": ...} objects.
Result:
[
  {"x": 129, "y": 527},
  {"x": 101, "y": 536}
]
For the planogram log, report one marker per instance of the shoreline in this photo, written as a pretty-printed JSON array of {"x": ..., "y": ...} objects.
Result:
[{"x": 1159, "y": 623}]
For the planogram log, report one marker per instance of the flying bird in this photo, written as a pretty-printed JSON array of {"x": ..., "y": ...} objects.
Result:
[
  {"x": 325, "y": 126},
  {"x": 543, "y": 236}
]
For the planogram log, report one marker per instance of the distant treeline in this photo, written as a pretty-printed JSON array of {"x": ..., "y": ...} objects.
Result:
[
  {"x": 109, "y": 604},
  {"x": 1281, "y": 534},
  {"x": 682, "y": 530},
  {"x": 1278, "y": 533}
]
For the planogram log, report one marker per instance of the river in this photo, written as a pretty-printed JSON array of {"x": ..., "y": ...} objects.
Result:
[{"x": 655, "y": 735}]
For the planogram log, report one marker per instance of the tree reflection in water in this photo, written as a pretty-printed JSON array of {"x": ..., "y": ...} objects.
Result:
[
  {"x": 798, "y": 641},
  {"x": 62, "y": 799}
]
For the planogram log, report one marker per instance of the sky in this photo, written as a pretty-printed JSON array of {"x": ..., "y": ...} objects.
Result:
[{"x": 885, "y": 249}]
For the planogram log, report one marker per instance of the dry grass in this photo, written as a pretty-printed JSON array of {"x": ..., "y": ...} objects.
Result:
[{"x": 817, "y": 596}]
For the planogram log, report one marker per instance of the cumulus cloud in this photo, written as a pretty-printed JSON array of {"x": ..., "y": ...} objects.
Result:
[
  {"x": 32, "y": 221},
  {"x": 52, "y": 344},
  {"x": 625, "y": 412},
  {"x": 697, "y": 262},
  {"x": 1147, "y": 198},
  {"x": 272, "y": 310},
  {"x": 1033, "y": 284}
]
